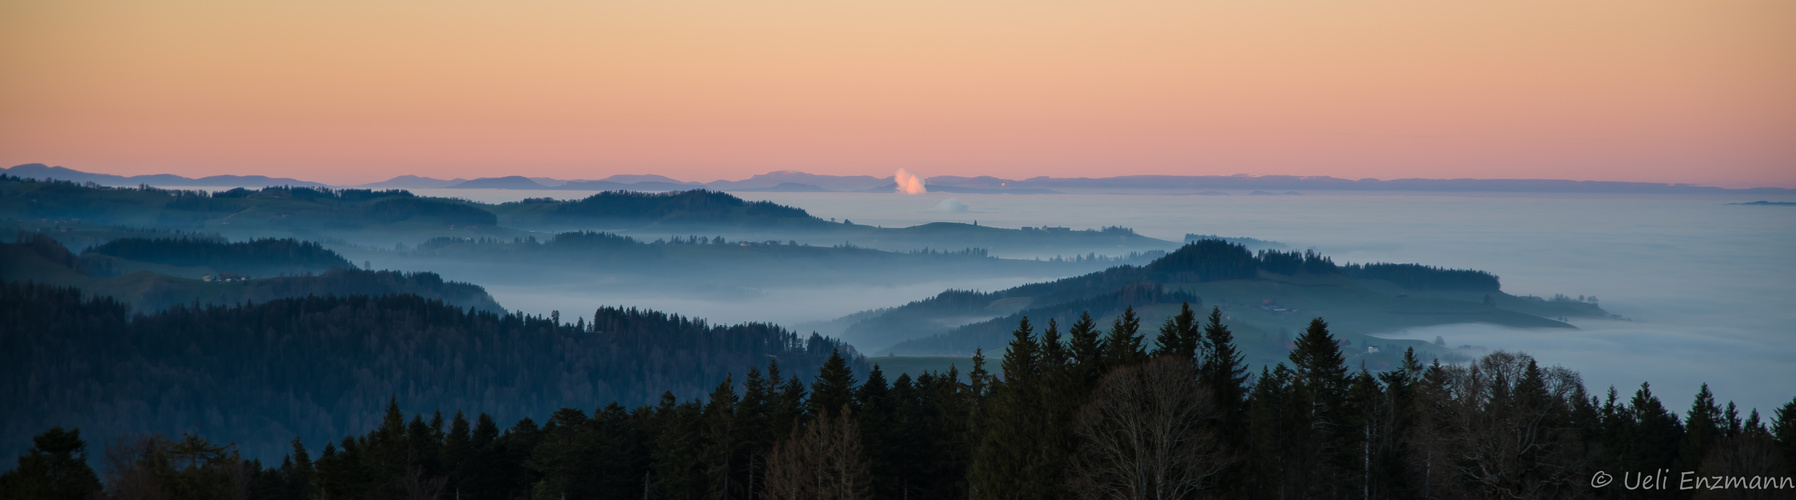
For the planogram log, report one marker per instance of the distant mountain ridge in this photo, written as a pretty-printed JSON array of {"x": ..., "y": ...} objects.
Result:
[
  {"x": 796, "y": 181},
  {"x": 41, "y": 171}
]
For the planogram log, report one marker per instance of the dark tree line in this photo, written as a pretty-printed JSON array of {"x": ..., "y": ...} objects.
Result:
[
  {"x": 629, "y": 209},
  {"x": 1420, "y": 277},
  {"x": 319, "y": 366},
  {"x": 304, "y": 207},
  {"x": 259, "y": 257},
  {"x": 395, "y": 209},
  {"x": 157, "y": 292},
  {"x": 1082, "y": 412},
  {"x": 1199, "y": 261}
]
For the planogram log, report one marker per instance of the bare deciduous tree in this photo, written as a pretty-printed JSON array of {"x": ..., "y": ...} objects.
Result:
[
  {"x": 824, "y": 463},
  {"x": 1505, "y": 427},
  {"x": 128, "y": 473},
  {"x": 1752, "y": 453},
  {"x": 1145, "y": 434},
  {"x": 419, "y": 487}
]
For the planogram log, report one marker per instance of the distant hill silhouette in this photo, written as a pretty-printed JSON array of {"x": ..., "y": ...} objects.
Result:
[
  {"x": 41, "y": 171},
  {"x": 155, "y": 274},
  {"x": 509, "y": 182},
  {"x": 1267, "y": 290},
  {"x": 796, "y": 181}
]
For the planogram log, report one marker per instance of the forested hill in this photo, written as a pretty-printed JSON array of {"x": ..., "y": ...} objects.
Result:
[
  {"x": 631, "y": 210},
  {"x": 258, "y": 257},
  {"x": 1269, "y": 292},
  {"x": 320, "y": 367},
  {"x": 388, "y": 217},
  {"x": 1074, "y": 415},
  {"x": 271, "y": 211},
  {"x": 310, "y": 213},
  {"x": 159, "y": 284}
]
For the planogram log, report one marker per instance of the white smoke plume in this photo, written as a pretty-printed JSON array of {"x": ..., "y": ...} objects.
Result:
[{"x": 909, "y": 183}]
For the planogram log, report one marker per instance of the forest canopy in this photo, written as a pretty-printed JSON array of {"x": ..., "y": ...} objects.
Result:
[{"x": 319, "y": 366}]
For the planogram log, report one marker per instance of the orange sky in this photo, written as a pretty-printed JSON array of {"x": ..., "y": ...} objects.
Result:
[{"x": 1696, "y": 91}]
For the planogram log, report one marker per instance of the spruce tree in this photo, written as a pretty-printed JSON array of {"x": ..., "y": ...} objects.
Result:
[
  {"x": 300, "y": 476},
  {"x": 876, "y": 419},
  {"x": 1007, "y": 462},
  {"x": 1278, "y": 432},
  {"x": 718, "y": 446},
  {"x": 1224, "y": 370},
  {"x": 1123, "y": 346},
  {"x": 786, "y": 404},
  {"x": 1053, "y": 353},
  {"x": 1179, "y": 335},
  {"x": 833, "y": 389},
  {"x": 1321, "y": 383},
  {"x": 458, "y": 448},
  {"x": 1085, "y": 349},
  {"x": 1703, "y": 425},
  {"x": 1654, "y": 433},
  {"x": 1318, "y": 360},
  {"x": 679, "y": 470},
  {"x": 1731, "y": 421},
  {"x": 753, "y": 431},
  {"x": 1783, "y": 430},
  {"x": 486, "y": 430}
]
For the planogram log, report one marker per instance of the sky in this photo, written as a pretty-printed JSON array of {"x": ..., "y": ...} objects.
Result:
[{"x": 345, "y": 92}]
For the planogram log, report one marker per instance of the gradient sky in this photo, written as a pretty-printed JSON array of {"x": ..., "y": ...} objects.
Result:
[{"x": 1693, "y": 91}]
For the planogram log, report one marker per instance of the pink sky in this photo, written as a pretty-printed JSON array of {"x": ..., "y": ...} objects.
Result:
[{"x": 1691, "y": 91}]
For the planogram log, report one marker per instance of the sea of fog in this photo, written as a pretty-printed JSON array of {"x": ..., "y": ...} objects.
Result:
[{"x": 1709, "y": 288}]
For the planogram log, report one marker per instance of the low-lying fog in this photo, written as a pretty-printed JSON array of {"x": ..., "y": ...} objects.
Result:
[
  {"x": 1708, "y": 286},
  {"x": 794, "y": 307}
]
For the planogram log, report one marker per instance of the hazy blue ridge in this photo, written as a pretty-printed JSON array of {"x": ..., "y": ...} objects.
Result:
[{"x": 794, "y": 181}]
